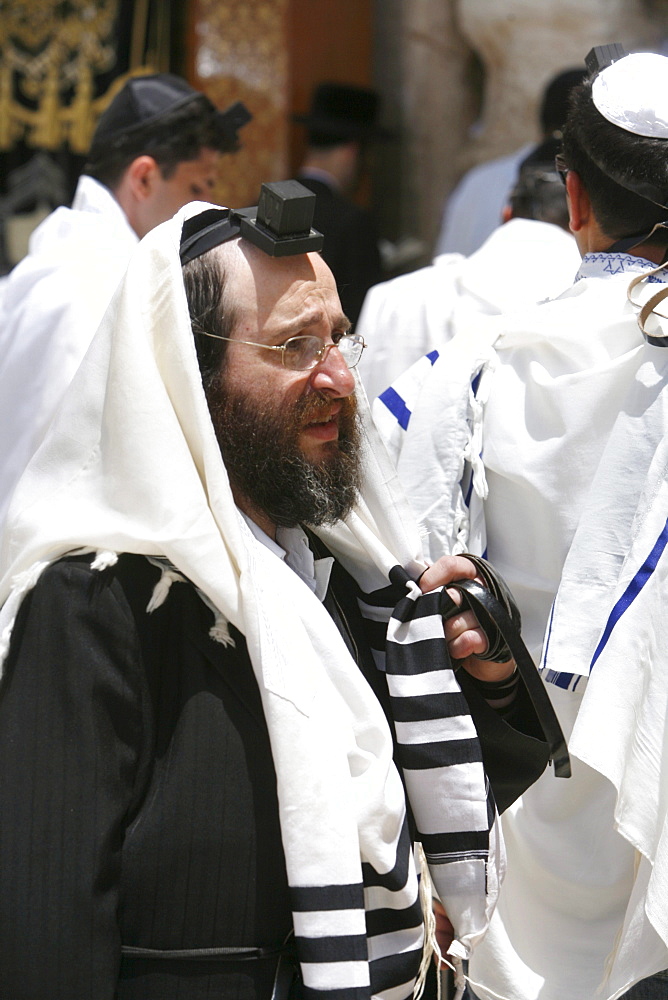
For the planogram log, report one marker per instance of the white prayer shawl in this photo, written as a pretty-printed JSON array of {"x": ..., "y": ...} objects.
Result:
[
  {"x": 575, "y": 412},
  {"x": 521, "y": 263},
  {"x": 52, "y": 304},
  {"x": 438, "y": 460},
  {"x": 619, "y": 559},
  {"x": 131, "y": 464},
  {"x": 474, "y": 209}
]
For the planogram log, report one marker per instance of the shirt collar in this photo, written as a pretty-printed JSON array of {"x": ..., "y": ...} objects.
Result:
[
  {"x": 292, "y": 547},
  {"x": 602, "y": 264}
]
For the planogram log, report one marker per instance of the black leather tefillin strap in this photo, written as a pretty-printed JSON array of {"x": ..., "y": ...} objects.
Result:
[
  {"x": 287, "y": 966},
  {"x": 499, "y": 617}
]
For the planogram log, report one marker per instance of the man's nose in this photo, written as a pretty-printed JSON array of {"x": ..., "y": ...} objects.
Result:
[{"x": 333, "y": 375}]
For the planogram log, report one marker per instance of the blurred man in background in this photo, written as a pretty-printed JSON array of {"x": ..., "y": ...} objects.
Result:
[
  {"x": 156, "y": 147},
  {"x": 544, "y": 430},
  {"x": 474, "y": 208},
  {"x": 529, "y": 258},
  {"x": 341, "y": 123}
]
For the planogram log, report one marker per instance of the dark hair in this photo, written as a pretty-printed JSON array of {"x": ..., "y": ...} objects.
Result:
[
  {"x": 326, "y": 140},
  {"x": 555, "y": 103},
  {"x": 538, "y": 192},
  {"x": 593, "y": 146},
  {"x": 204, "y": 279},
  {"x": 177, "y": 136}
]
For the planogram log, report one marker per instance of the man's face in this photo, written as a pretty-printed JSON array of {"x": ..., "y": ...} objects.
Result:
[
  {"x": 193, "y": 180},
  {"x": 289, "y": 438}
]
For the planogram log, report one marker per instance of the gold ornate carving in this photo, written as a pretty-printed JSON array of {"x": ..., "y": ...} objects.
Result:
[
  {"x": 240, "y": 53},
  {"x": 50, "y": 53}
]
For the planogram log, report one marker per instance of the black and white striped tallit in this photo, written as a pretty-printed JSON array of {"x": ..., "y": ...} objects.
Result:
[{"x": 157, "y": 486}]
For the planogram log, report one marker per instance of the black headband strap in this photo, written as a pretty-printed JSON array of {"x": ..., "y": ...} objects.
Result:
[
  {"x": 280, "y": 224},
  {"x": 205, "y": 231}
]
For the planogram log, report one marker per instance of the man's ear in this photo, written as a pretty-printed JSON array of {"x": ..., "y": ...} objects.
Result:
[
  {"x": 141, "y": 177},
  {"x": 579, "y": 205},
  {"x": 506, "y": 214}
]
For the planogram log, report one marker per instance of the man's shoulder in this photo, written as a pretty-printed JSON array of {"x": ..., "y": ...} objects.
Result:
[
  {"x": 147, "y": 591},
  {"x": 88, "y": 572},
  {"x": 95, "y": 223}
]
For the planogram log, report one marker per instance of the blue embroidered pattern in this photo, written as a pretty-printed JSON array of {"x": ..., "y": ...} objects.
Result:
[{"x": 597, "y": 264}]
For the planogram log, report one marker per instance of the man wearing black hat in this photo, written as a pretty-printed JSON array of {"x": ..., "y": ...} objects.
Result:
[
  {"x": 342, "y": 120},
  {"x": 155, "y": 148}
]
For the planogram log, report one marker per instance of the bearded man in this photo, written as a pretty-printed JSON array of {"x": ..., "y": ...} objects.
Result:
[{"x": 197, "y": 780}]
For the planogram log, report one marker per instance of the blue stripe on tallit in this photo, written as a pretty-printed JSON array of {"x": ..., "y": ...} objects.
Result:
[
  {"x": 559, "y": 678},
  {"x": 635, "y": 586},
  {"x": 569, "y": 682},
  {"x": 396, "y": 404},
  {"x": 397, "y": 407}
]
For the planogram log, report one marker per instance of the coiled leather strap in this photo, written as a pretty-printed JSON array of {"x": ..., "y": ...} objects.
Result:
[{"x": 500, "y": 619}]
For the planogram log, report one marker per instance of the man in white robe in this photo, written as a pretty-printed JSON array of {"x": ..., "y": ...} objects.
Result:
[
  {"x": 529, "y": 258},
  {"x": 475, "y": 207},
  {"x": 155, "y": 148},
  {"x": 574, "y": 412}
]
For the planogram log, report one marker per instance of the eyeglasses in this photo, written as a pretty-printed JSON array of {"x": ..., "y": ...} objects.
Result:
[
  {"x": 302, "y": 353},
  {"x": 561, "y": 168}
]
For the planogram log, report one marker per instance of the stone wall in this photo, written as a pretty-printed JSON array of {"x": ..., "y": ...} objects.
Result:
[{"x": 462, "y": 80}]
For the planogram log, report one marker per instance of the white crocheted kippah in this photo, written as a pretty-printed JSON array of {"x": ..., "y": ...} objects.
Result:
[{"x": 633, "y": 93}]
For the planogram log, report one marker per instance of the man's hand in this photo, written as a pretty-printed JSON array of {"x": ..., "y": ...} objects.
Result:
[
  {"x": 445, "y": 932},
  {"x": 464, "y": 636}
]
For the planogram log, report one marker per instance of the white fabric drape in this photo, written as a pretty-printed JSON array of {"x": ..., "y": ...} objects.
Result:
[
  {"x": 131, "y": 464},
  {"x": 522, "y": 262},
  {"x": 52, "y": 303},
  {"x": 572, "y": 443}
]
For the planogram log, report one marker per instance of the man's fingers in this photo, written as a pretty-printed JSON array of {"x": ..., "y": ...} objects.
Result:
[
  {"x": 445, "y": 932},
  {"x": 464, "y": 636},
  {"x": 447, "y": 569}
]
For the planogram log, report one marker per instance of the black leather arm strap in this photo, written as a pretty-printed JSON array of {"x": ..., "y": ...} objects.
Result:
[{"x": 495, "y": 614}]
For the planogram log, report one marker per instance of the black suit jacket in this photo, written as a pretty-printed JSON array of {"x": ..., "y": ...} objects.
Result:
[
  {"x": 138, "y": 810},
  {"x": 351, "y": 244}
]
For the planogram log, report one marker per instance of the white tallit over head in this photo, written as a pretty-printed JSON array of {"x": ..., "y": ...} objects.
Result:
[{"x": 131, "y": 464}]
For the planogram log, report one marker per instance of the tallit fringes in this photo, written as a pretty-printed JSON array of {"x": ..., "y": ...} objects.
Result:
[
  {"x": 430, "y": 948},
  {"x": 162, "y": 587},
  {"x": 104, "y": 558},
  {"x": 220, "y": 631},
  {"x": 458, "y": 953},
  {"x": 473, "y": 447}
]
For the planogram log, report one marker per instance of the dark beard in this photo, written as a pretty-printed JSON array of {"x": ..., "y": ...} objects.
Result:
[{"x": 266, "y": 466}]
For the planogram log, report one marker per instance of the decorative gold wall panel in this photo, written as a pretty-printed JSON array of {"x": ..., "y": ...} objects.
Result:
[
  {"x": 240, "y": 54},
  {"x": 50, "y": 53}
]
